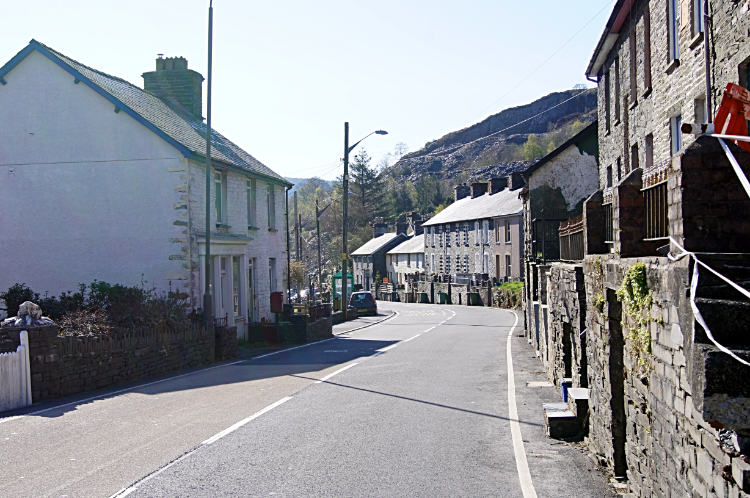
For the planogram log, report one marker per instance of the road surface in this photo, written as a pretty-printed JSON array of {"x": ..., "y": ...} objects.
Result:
[{"x": 418, "y": 405}]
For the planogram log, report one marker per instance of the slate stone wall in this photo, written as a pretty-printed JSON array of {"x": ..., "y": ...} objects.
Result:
[
  {"x": 61, "y": 366},
  {"x": 566, "y": 304},
  {"x": 649, "y": 421}
]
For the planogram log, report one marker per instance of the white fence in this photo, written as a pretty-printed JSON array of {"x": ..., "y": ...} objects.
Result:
[{"x": 15, "y": 377}]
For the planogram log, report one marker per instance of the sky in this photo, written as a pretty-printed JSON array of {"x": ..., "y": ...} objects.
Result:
[{"x": 287, "y": 74}]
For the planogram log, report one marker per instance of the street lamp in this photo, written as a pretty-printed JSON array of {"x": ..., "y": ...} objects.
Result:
[{"x": 344, "y": 266}]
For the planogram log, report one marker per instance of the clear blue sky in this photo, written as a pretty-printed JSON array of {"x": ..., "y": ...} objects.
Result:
[{"x": 288, "y": 73}]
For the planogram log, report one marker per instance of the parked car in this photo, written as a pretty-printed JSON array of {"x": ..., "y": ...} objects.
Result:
[{"x": 364, "y": 303}]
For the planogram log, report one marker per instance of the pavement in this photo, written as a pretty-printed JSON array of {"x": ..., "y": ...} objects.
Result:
[{"x": 416, "y": 405}]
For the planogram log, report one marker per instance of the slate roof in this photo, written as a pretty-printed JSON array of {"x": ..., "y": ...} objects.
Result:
[
  {"x": 373, "y": 245},
  {"x": 503, "y": 203},
  {"x": 413, "y": 245},
  {"x": 175, "y": 122}
]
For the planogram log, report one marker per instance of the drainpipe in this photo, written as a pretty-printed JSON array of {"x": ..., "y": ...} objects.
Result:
[{"x": 706, "y": 22}]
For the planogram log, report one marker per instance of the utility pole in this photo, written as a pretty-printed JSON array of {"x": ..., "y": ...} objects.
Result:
[
  {"x": 296, "y": 229},
  {"x": 317, "y": 227},
  {"x": 344, "y": 266},
  {"x": 207, "y": 301},
  {"x": 299, "y": 239},
  {"x": 288, "y": 275}
]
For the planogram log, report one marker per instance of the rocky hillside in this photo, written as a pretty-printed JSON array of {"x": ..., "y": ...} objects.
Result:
[{"x": 494, "y": 147}]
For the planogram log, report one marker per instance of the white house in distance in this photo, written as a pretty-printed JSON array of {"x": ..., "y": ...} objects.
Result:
[
  {"x": 100, "y": 179},
  {"x": 405, "y": 259}
]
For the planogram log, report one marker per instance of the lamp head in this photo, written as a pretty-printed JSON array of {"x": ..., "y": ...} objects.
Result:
[{"x": 381, "y": 132}]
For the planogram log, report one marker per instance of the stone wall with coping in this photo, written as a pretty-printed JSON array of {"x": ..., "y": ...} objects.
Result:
[
  {"x": 646, "y": 419},
  {"x": 61, "y": 366}
]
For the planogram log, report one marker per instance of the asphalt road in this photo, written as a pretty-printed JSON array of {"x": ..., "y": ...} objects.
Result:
[{"x": 417, "y": 405}]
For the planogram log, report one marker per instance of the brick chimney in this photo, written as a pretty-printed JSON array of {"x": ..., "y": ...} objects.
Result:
[
  {"x": 172, "y": 78},
  {"x": 379, "y": 228},
  {"x": 515, "y": 181},
  {"x": 462, "y": 191},
  {"x": 498, "y": 185},
  {"x": 478, "y": 188},
  {"x": 402, "y": 227}
]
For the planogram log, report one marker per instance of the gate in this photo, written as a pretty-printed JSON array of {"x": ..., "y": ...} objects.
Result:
[{"x": 15, "y": 377}]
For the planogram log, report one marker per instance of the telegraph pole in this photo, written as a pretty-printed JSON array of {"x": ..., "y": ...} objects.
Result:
[
  {"x": 207, "y": 301},
  {"x": 317, "y": 227},
  {"x": 344, "y": 266}
]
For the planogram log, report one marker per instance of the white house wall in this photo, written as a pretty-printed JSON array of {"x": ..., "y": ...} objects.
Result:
[
  {"x": 86, "y": 193},
  {"x": 265, "y": 243},
  {"x": 571, "y": 172}
]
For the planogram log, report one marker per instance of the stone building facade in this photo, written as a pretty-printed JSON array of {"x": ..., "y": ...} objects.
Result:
[
  {"x": 668, "y": 401},
  {"x": 370, "y": 259},
  {"x": 460, "y": 242}
]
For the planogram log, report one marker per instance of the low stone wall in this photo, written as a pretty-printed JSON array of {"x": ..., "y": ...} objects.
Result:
[
  {"x": 338, "y": 316},
  {"x": 226, "y": 343},
  {"x": 61, "y": 366},
  {"x": 651, "y": 420},
  {"x": 566, "y": 306},
  {"x": 319, "y": 329}
]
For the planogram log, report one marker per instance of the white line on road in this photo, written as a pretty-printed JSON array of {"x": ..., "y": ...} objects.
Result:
[
  {"x": 289, "y": 349},
  {"x": 336, "y": 372},
  {"x": 515, "y": 427},
  {"x": 246, "y": 420},
  {"x": 410, "y": 338}
]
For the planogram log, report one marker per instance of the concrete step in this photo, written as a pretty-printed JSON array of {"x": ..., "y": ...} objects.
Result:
[
  {"x": 561, "y": 424},
  {"x": 733, "y": 266},
  {"x": 578, "y": 401}
]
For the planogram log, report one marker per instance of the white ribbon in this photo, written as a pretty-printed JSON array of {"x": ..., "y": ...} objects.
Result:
[{"x": 694, "y": 288}]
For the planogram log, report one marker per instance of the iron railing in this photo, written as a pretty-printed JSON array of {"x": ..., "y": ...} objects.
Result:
[
  {"x": 545, "y": 243},
  {"x": 609, "y": 232},
  {"x": 655, "y": 196},
  {"x": 571, "y": 239}
]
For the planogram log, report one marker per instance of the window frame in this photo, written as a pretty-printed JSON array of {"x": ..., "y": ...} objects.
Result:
[
  {"x": 646, "y": 50},
  {"x": 673, "y": 31},
  {"x": 271, "y": 206},
  {"x": 220, "y": 197},
  {"x": 252, "y": 203},
  {"x": 508, "y": 233},
  {"x": 675, "y": 134}
]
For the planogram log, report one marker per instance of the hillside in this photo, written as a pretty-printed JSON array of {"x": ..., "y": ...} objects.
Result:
[{"x": 495, "y": 146}]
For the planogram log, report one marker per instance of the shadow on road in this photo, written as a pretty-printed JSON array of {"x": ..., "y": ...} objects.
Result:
[
  {"x": 287, "y": 362},
  {"x": 420, "y": 401}
]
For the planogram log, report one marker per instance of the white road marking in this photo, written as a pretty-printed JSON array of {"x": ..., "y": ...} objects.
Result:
[
  {"x": 289, "y": 349},
  {"x": 410, "y": 338},
  {"x": 246, "y": 420},
  {"x": 336, "y": 372},
  {"x": 527, "y": 487}
]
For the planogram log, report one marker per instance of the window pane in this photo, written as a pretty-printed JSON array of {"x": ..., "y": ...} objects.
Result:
[{"x": 236, "y": 284}]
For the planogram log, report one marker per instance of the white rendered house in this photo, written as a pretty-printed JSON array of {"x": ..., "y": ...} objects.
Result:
[{"x": 100, "y": 179}]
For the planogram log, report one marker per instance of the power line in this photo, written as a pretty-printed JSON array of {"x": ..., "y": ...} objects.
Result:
[
  {"x": 443, "y": 151},
  {"x": 543, "y": 63}
]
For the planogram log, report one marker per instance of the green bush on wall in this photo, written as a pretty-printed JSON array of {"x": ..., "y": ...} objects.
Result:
[{"x": 637, "y": 299}]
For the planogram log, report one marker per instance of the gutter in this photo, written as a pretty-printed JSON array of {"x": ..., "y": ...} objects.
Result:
[{"x": 609, "y": 37}]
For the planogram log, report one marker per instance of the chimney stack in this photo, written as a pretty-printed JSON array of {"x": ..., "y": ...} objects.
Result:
[
  {"x": 379, "y": 228},
  {"x": 515, "y": 181},
  {"x": 462, "y": 191},
  {"x": 172, "y": 78},
  {"x": 478, "y": 188},
  {"x": 498, "y": 185},
  {"x": 402, "y": 227}
]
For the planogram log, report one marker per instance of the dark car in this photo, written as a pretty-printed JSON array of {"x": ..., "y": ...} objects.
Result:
[{"x": 364, "y": 303}]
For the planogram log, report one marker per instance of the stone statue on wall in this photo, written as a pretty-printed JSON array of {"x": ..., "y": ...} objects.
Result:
[{"x": 29, "y": 315}]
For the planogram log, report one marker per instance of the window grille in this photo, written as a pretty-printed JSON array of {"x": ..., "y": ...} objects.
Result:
[
  {"x": 466, "y": 262},
  {"x": 608, "y": 231}
]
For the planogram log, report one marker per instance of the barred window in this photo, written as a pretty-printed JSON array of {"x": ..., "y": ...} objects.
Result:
[{"x": 466, "y": 262}]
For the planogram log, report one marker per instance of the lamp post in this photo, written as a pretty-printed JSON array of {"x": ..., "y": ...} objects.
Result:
[
  {"x": 207, "y": 300},
  {"x": 344, "y": 265}
]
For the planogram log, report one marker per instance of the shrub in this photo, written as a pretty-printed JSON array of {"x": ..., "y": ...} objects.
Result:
[{"x": 508, "y": 295}]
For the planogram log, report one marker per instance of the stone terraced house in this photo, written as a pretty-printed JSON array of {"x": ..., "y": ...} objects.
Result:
[
  {"x": 461, "y": 241},
  {"x": 100, "y": 179},
  {"x": 658, "y": 401}
]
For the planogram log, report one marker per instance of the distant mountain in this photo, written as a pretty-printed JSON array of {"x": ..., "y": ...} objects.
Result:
[
  {"x": 495, "y": 146},
  {"x": 298, "y": 182}
]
